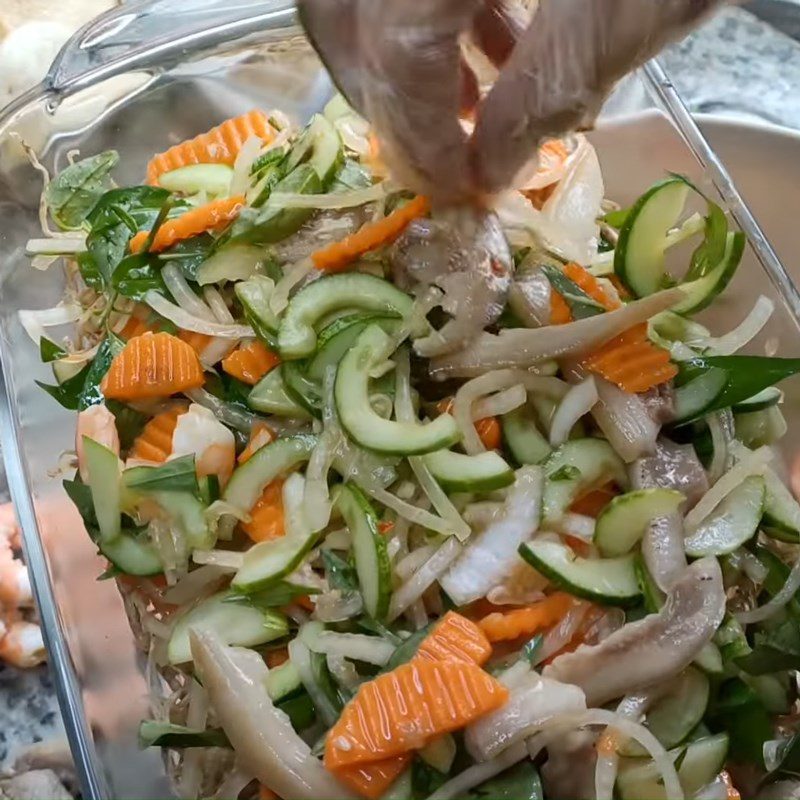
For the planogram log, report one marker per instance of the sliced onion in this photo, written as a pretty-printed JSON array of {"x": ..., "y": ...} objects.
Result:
[
  {"x": 413, "y": 589},
  {"x": 501, "y": 403},
  {"x": 524, "y": 347},
  {"x": 240, "y": 180},
  {"x": 478, "y": 774},
  {"x": 411, "y": 562},
  {"x": 62, "y": 246},
  {"x": 743, "y": 333},
  {"x": 336, "y": 606},
  {"x": 35, "y": 321},
  {"x": 225, "y": 412},
  {"x": 228, "y": 560},
  {"x": 720, "y": 426},
  {"x": 182, "y": 293},
  {"x": 216, "y": 303},
  {"x": 557, "y": 638},
  {"x": 292, "y": 276},
  {"x": 369, "y": 649},
  {"x": 419, "y": 516},
  {"x": 344, "y": 672},
  {"x": 333, "y": 200},
  {"x": 777, "y": 602},
  {"x": 749, "y": 563},
  {"x": 751, "y": 463},
  {"x": 196, "y": 584},
  {"x": 577, "y": 402},
  {"x": 577, "y": 525},
  {"x": 529, "y": 299},
  {"x": 186, "y": 321}
]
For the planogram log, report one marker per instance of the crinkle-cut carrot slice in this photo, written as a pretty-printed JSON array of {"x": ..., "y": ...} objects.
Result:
[
  {"x": 372, "y": 780},
  {"x": 632, "y": 361},
  {"x": 152, "y": 365},
  {"x": 208, "y": 217},
  {"x": 338, "y": 255},
  {"x": 590, "y": 285},
  {"x": 488, "y": 428},
  {"x": 154, "y": 443},
  {"x": 504, "y": 626},
  {"x": 404, "y": 709},
  {"x": 250, "y": 362},
  {"x": 220, "y": 145},
  {"x": 455, "y": 638},
  {"x": 595, "y": 500},
  {"x": 266, "y": 516},
  {"x": 197, "y": 341},
  {"x": 260, "y": 435}
]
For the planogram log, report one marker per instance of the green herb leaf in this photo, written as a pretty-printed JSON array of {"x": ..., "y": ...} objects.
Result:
[
  {"x": 90, "y": 272},
  {"x": 177, "y": 475},
  {"x": 136, "y": 274},
  {"x": 406, "y": 651},
  {"x": 278, "y": 594},
  {"x": 90, "y": 392},
  {"x": 68, "y": 393},
  {"x": 712, "y": 249},
  {"x": 774, "y": 650},
  {"x": 616, "y": 219},
  {"x": 129, "y": 422},
  {"x": 165, "y": 734},
  {"x": 341, "y": 574},
  {"x": 568, "y": 472},
  {"x": 739, "y": 712},
  {"x": 75, "y": 191},
  {"x": 425, "y": 780},
  {"x": 189, "y": 254},
  {"x": 300, "y": 710},
  {"x": 520, "y": 782},
  {"x": 81, "y": 496},
  {"x": 351, "y": 176},
  {"x": 580, "y": 304},
  {"x": 50, "y": 351}
]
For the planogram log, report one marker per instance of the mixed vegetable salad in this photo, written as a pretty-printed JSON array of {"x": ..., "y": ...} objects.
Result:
[{"x": 412, "y": 503}]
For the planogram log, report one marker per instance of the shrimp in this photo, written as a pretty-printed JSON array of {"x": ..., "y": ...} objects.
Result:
[
  {"x": 98, "y": 423},
  {"x": 22, "y": 644},
  {"x": 15, "y": 584},
  {"x": 198, "y": 431}
]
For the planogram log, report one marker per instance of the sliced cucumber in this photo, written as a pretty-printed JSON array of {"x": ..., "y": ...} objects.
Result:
[
  {"x": 64, "y": 370},
  {"x": 301, "y": 389},
  {"x": 694, "y": 397},
  {"x": 611, "y": 581},
  {"x": 709, "y": 659},
  {"x": 165, "y": 734},
  {"x": 759, "y": 428},
  {"x": 623, "y": 522},
  {"x": 734, "y": 521},
  {"x": 338, "y": 337},
  {"x": 373, "y": 567},
  {"x": 457, "y": 472},
  {"x": 254, "y": 294},
  {"x": 362, "y": 423},
  {"x": 236, "y": 262},
  {"x": 700, "y": 293},
  {"x": 320, "y": 146},
  {"x": 701, "y": 762},
  {"x": 522, "y": 437},
  {"x": 267, "y": 562},
  {"x": 270, "y": 396},
  {"x": 576, "y": 467},
  {"x": 213, "y": 179},
  {"x": 267, "y": 463},
  {"x": 283, "y": 681},
  {"x": 133, "y": 556},
  {"x": 321, "y": 298},
  {"x": 236, "y": 623},
  {"x": 639, "y": 254},
  {"x": 104, "y": 481},
  {"x": 781, "y": 511},
  {"x": 188, "y": 516},
  {"x": 766, "y": 398},
  {"x": 676, "y": 713}
]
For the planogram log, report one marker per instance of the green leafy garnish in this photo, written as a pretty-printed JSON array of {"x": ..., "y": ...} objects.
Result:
[
  {"x": 278, "y": 594},
  {"x": 90, "y": 393},
  {"x": 137, "y": 274},
  {"x": 75, "y": 191},
  {"x": 774, "y": 649},
  {"x": 520, "y": 782},
  {"x": 341, "y": 574},
  {"x": 67, "y": 393},
  {"x": 129, "y": 422},
  {"x": 580, "y": 304},
  {"x": 177, "y": 475},
  {"x": 300, "y": 710},
  {"x": 569, "y": 472},
  {"x": 165, "y": 734},
  {"x": 50, "y": 351},
  {"x": 739, "y": 711}
]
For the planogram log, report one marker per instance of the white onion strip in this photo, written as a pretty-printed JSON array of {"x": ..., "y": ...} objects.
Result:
[
  {"x": 333, "y": 200},
  {"x": 776, "y": 603},
  {"x": 224, "y": 559},
  {"x": 35, "y": 321},
  {"x": 186, "y": 321},
  {"x": 292, "y": 276},
  {"x": 419, "y": 516},
  {"x": 240, "y": 181},
  {"x": 501, "y": 403},
  {"x": 231, "y": 415},
  {"x": 184, "y": 296},
  {"x": 412, "y": 561},
  {"x": 64, "y": 246},
  {"x": 479, "y": 773},
  {"x": 415, "y": 587},
  {"x": 369, "y": 649},
  {"x": 743, "y": 333},
  {"x": 577, "y": 402}
]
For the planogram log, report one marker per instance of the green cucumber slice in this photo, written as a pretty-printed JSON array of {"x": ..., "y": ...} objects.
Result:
[
  {"x": 523, "y": 438},
  {"x": 235, "y": 622},
  {"x": 576, "y": 467},
  {"x": 709, "y": 659},
  {"x": 694, "y": 397},
  {"x": 267, "y": 562},
  {"x": 781, "y": 518},
  {"x": 701, "y": 292},
  {"x": 652, "y": 597},
  {"x": 611, "y": 581},
  {"x": 283, "y": 681},
  {"x": 325, "y": 296},
  {"x": 104, "y": 482},
  {"x": 338, "y": 337},
  {"x": 320, "y": 146},
  {"x": 702, "y": 760},
  {"x": 254, "y": 294},
  {"x": 358, "y": 418},
  {"x": 267, "y": 463},
  {"x": 639, "y": 254},
  {"x": 677, "y": 713},
  {"x": 165, "y": 734},
  {"x": 766, "y": 398},
  {"x": 235, "y": 262},
  {"x": 732, "y": 523},
  {"x": 373, "y": 567},
  {"x": 270, "y": 396},
  {"x": 188, "y": 515},
  {"x": 133, "y": 556},
  {"x": 623, "y": 522},
  {"x": 759, "y": 428},
  {"x": 300, "y": 388},
  {"x": 213, "y": 179},
  {"x": 457, "y": 472}
]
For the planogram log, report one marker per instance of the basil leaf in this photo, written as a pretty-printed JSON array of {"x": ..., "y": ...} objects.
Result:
[
  {"x": 81, "y": 496},
  {"x": 177, "y": 475},
  {"x": 128, "y": 420},
  {"x": 406, "y": 651},
  {"x": 68, "y": 393},
  {"x": 340, "y": 573},
  {"x": 90, "y": 272},
  {"x": 739, "y": 712},
  {"x": 425, "y": 780},
  {"x": 278, "y": 594},
  {"x": 351, "y": 176},
  {"x": 787, "y": 756},
  {"x": 777, "y": 573},
  {"x": 189, "y": 254},
  {"x": 520, "y": 782},
  {"x": 50, "y": 351},
  {"x": 75, "y": 191},
  {"x": 165, "y": 734},
  {"x": 90, "y": 392},
  {"x": 136, "y": 274},
  {"x": 580, "y": 304},
  {"x": 774, "y": 650},
  {"x": 300, "y": 710}
]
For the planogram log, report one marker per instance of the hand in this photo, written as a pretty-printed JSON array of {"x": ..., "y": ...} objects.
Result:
[{"x": 400, "y": 64}]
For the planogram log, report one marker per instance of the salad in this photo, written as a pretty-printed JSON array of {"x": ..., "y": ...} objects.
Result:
[{"x": 414, "y": 503}]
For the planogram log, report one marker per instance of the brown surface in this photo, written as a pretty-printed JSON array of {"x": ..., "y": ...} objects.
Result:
[{"x": 71, "y": 12}]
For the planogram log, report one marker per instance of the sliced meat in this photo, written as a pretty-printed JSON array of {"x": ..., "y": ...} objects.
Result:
[{"x": 673, "y": 466}]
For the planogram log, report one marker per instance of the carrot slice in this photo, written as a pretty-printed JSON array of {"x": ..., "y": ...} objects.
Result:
[
  {"x": 503, "y": 626},
  {"x": 265, "y": 793},
  {"x": 590, "y": 285},
  {"x": 154, "y": 443},
  {"x": 455, "y": 638},
  {"x": 197, "y": 341},
  {"x": 274, "y": 658},
  {"x": 372, "y": 780},
  {"x": 595, "y": 500},
  {"x": 338, "y": 255},
  {"x": 559, "y": 310},
  {"x": 403, "y": 709},
  {"x": 488, "y": 428},
  {"x": 136, "y": 326},
  {"x": 260, "y": 435},
  {"x": 250, "y": 362},
  {"x": 220, "y": 145},
  {"x": 632, "y": 361},
  {"x": 208, "y": 217},
  {"x": 152, "y": 365},
  {"x": 266, "y": 516}
]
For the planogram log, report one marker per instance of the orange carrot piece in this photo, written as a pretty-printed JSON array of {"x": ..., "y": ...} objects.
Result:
[
  {"x": 208, "y": 217},
  {"x": 404, "y": 709},
  {"x": 152, "y": 365},
  {"x": 595, "y": 500},
  {"x": 250, "y": 362},
  {"x": 266, "y": 516},
  {"x": 220, "y": 145},
  {"x": 197, "y": 341},
  {"x": 154, "y": 443},
  {"x": 584, "y": 280},
  {"x": 488, "y": 428},
  {"x": 274, "y": 658},
  {"x": 338, "y": 255},
  {"x": 731, "y": 791},
  {"x": 559, "y": 310},
  {"x": 632, "y": 361},
  {"x": 504, "y": 626},
  {"x": 136, "y": 326},
  {"x": 260, "y": 435},
  {"x": 372, "y": 780},
  {"x": 385, "y": 527},
  {"x": 265, "y": 793},
  {"x": 455, "y": 638}
]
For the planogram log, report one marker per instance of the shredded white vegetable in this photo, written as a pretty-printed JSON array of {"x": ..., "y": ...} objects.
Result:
[
  {"x": 228, "y": 560},
  {"x": 742, "y": 334},
  {"x": 577, "y": 402},
  {"x": 333, "y": 200},
  {"x": 186, "y": 321},
  {"x": 292, "y": 276},
  {"x": 35, "y": 321},
  {"x": 184, "y": 296},
  {"x": 776, "y": 603},
  {"x": 369, "y": 649},
  {"x": 501, "y": 403},
  {"x": 63, "y": 246},
  {"x": 240, "y": 181}
]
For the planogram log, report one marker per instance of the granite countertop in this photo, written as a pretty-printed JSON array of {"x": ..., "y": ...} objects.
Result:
[{"x": 737, "y": 64}]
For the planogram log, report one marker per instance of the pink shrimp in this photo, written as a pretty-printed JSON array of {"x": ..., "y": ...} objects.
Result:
[
  {"x": 21, "y": 644},
  {"x": 98, "y": 423},
  {"x": 198, "y": 431}
]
